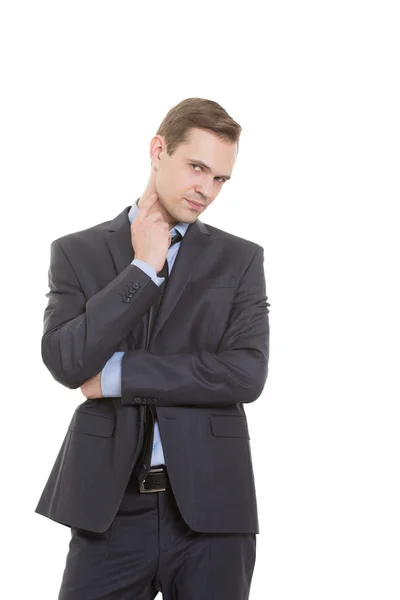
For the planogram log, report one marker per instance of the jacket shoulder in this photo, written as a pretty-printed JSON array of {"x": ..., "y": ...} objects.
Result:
[
  {"x": 235, "y": 242},
  {"x": 87, "y": 235}
]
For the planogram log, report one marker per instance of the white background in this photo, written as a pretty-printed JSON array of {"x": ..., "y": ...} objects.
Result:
[{"x": 315, "y": 86}]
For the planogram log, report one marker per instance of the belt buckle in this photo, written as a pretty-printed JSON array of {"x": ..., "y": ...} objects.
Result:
[{"x": 143, "y": 490}]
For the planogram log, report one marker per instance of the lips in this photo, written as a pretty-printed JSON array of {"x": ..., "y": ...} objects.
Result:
[{"x": 194, "y": 202}]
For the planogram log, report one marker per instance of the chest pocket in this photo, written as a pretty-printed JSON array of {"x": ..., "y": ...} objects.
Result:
[
  {"x": 203, "y": 310},
  {"x": 219, "y": 281}
]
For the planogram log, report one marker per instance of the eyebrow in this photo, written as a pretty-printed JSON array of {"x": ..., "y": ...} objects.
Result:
[{"x": 206, "y": 167}]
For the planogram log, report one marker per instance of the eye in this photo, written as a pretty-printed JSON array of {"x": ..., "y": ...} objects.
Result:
[{"x": 221, "y": 179}]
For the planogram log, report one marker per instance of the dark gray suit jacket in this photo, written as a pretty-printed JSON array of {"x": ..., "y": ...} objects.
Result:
[{"x": 208, "y": 355}]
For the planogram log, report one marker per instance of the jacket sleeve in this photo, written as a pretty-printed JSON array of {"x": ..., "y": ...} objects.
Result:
[
  {"x": 237, "y": 372},
  {"x": 80, "y": 334}
]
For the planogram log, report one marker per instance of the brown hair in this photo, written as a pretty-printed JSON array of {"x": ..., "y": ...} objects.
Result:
[{"x": 200, "y": 113}]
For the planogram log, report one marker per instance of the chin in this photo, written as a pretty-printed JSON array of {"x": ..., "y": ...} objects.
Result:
[
  {"x": 182, "y": 215},
  {"x": 188, "y": 217}
]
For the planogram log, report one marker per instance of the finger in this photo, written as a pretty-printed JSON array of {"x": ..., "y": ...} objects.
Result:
[
  {"x": 156, "y": 217},
  {"x": 147, "y": 204}
]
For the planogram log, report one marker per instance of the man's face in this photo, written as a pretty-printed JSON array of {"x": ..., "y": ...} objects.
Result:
[{"x": 196, "y": 171}]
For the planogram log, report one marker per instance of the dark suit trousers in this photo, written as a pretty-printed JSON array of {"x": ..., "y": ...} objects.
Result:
[{"x": 150, "y": 549}]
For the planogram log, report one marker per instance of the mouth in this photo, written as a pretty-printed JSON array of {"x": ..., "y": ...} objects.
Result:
[{"x": 194, "y": 205}]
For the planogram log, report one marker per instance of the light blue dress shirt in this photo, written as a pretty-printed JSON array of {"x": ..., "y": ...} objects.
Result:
[{"x": 111, "y": 373}]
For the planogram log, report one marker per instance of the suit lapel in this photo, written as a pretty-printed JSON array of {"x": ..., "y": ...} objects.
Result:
[
  {"x": 189, "y": 254},
  {"x": 193, "y": 244},
  {"x": 119, "y": 240}
]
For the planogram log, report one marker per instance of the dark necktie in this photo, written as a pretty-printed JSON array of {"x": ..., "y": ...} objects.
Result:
[
  {"x": 145, "y": 457},
  {"x": 154, "y": 308}
]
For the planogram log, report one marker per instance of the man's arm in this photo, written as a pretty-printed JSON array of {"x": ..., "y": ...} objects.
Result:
[
  {"x": 80, "y": 335},
  {"x": 237, "y": 372},
  {"x": 110, "y": 378}
]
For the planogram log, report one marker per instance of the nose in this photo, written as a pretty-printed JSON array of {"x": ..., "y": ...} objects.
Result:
[{"x": 205, "y": 188}]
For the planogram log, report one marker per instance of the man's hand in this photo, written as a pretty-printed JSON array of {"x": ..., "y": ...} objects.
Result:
[
  {"x": 150, "y": 233},
  {"x": 92, "y": 387}
]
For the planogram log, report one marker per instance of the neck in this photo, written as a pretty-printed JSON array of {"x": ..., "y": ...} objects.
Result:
[{"x": 157, "y": 207}]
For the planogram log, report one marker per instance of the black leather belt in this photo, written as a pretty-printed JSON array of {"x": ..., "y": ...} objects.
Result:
[{"x": 157, "y": 480}]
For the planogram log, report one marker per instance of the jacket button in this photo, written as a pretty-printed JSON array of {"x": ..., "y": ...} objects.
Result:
[{"x": 136, "y": 285}]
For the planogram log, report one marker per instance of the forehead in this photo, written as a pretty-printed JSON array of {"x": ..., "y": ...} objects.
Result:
[{"x": 205, "y": 145}]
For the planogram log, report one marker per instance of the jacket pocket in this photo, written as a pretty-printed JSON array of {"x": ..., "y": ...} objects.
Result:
[
  {"x": 219, "y": 281},
  {"x": 229, "y": 426},
  {"x": 91, "y": 424}
]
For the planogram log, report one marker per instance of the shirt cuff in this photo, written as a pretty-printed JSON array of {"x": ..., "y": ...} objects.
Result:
[
  {"x": 148, "y": 269},
  {"x": 111, "y": 376}
]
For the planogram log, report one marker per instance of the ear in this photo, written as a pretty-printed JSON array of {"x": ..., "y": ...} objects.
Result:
[{"x": 157, "y": 147}]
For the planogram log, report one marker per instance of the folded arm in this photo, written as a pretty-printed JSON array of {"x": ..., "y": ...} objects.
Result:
[
  {"x": 80, "y": 335},
  {"x": 237, "y": 372}
]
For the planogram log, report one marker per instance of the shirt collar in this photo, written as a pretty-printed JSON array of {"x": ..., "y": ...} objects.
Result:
[{"x": 181, "y": 227}]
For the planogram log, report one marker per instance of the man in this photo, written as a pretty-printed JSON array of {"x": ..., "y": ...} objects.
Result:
[{"x": 162, "y": 321}]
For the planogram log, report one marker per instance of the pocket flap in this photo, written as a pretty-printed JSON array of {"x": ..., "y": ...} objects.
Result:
[
  {"x": 91, "y": 424},
  {"x": 223, "y": 281},
  {"x": 229, "y": 426}
]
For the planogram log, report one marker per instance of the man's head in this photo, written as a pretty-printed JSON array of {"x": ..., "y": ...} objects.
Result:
[{"x": 192, "y": 155}]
